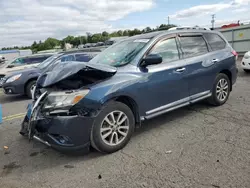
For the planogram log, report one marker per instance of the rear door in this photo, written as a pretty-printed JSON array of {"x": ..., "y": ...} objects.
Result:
[{"x": 199, "y": 64}]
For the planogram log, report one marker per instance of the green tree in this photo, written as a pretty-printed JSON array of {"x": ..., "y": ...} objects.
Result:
[
  {"x": 105, "y": 34},
  {"x": 147, "y": 30},
  {"x": 125, "y": 33},
  {"x": 120, "y": 33},
  {"x": 68, "y": 39},
  {"x": 51, "y": 43}
]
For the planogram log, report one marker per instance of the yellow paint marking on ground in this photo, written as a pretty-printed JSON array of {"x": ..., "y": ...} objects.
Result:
[{"x": 15, "y": 116}]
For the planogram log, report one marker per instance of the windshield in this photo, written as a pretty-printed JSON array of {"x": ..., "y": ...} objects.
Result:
[
  {"x": 46, "y": 62},
  {"x": 121, "y": 53}
]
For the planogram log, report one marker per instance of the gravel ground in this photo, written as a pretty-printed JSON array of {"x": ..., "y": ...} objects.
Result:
[{"x": 197, "y": 146}]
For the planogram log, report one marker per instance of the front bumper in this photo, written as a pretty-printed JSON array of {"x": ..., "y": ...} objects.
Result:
[
  {"x": 13, "y": 88},
  {"x": 245, "y": 63},
  {"x": 63, "y": 133}
]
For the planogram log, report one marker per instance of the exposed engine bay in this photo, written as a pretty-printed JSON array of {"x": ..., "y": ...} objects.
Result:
[
  {"x": 72, "y": 76},
  {"x": 81, "y": 79}
]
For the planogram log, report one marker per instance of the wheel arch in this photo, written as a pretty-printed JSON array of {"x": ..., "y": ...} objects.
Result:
[
  {"x": 229, "y": 74},
  {"x": 28, "y": 81},
  {"x": 131, "y": 103}
]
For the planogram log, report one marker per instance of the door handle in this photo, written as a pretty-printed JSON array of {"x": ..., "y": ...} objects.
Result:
[
  {"x": 215, "y": 60},
  {"x": 180, "y": 69}
]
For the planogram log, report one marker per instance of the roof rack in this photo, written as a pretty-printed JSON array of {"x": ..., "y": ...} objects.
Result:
[{"x": 188, "y": 27}]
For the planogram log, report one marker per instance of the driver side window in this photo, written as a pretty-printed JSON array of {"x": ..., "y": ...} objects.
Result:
[{"x": 167, "y": 49}]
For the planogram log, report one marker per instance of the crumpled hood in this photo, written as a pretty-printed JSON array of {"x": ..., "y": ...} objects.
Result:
[{"x": 64, "y": 70}]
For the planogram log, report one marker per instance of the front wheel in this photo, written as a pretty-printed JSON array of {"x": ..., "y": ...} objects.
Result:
[
  {"x": 29, "y": 88},
  {"x": 113, "y": 127},
  {"x": 221, "y": 90}
]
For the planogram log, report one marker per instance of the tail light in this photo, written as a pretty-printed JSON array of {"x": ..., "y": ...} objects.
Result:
[{"x": 235, "y": 54}]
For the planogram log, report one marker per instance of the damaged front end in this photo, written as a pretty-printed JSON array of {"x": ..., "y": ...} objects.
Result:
[{"x": 61, "y": 115}]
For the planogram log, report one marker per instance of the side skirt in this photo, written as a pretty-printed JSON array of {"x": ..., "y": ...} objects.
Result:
[{"x": 177, "y": 104}]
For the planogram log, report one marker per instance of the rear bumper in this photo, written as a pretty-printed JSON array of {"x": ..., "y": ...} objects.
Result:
[{"x": 245, "y": 63}]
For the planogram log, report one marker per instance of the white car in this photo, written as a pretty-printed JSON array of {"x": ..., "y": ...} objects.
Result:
[{"x": 245, "y": 63}]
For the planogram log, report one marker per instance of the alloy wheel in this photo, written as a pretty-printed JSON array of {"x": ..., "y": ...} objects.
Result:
[
  {"x": 114, "y": 128},
  {"x": 222, "y": 89}
]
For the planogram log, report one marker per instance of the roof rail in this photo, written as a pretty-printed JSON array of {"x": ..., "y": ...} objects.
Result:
[{"x": 188, "y": 27}]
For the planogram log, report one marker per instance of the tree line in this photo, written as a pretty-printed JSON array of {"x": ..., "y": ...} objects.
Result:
[{"x": 52, "y": 43}]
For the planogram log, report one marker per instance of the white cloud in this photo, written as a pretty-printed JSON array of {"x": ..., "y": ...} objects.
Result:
[
  {"x": 241, "y": 2},
  {"x": 200, "y": 10},
  {"x": 239, "y": 10},
  {"x": 23, "y": 21},
  {"x": 208, "y": 9}
]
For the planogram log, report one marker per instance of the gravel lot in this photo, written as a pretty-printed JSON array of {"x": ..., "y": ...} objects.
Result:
[{"x": 197, "y": 146}]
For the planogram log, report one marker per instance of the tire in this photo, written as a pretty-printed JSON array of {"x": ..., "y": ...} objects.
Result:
[
  {"x": 247, "y": 70},
  {"x": 98, "y": 140},
  {"x": 28, "y": 88},
  {"x": 24, "y": 127},
  {"x": 216, "y": 99}
]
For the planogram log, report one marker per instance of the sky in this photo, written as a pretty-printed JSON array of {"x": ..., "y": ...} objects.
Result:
[{"x": 25, "y": 21}]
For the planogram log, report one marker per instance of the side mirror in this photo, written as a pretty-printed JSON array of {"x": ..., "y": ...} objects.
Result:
[
  {"x": 10, "y": 66},
  {"x": 151, "y": 59}
]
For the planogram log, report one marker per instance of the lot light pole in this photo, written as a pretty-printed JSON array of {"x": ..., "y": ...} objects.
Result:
[{"x": 213, "y": 21}]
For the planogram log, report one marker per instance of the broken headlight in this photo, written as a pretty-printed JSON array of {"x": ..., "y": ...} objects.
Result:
[{"x": 63, "y": 99}]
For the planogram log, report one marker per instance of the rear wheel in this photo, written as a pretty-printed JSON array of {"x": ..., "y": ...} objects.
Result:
[
  {"x": 29, "y": 88},
  {"x": 221, "y": 90},
  {"x": 247, "y": 70},
  {"x": 112, "y": 128}
]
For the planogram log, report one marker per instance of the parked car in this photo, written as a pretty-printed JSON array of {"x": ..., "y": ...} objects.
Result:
[
  {"x": 99, "y": 103},
  {"x": 245, "y": 63},
  {"x": 22, "y": 63},
  {"x": 23, "y": 82}
]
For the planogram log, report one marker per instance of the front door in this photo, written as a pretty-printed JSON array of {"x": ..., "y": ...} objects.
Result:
[{"x": 166, "y": 87}]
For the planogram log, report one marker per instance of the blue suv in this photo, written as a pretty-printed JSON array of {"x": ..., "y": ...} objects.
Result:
[{"x": 99, "y": 103}]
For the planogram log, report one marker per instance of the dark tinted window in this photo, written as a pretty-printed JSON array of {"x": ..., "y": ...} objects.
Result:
[
  {"x": 33, "y": 60},
  {"x": 83, "y": 57},
  {"x": 19, "y": 61},
  {"x": 68, "y": 58},
  {"x": 193, "y": 46},
  {"x": 215, "y": 41},
  {"x": 167, "y": 49}
]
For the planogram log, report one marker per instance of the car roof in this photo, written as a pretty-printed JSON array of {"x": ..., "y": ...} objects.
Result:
[
  {"x": 89, "y": 50},
  {"x": 156, "y": 34}
]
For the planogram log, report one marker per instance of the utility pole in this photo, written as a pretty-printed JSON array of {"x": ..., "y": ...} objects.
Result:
[
  {"x": 213, "y": 20},
  {"x": 80, "y": 40},
  {"x": 168, "y": 20}
]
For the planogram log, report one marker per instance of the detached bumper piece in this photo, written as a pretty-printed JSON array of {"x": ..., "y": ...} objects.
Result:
[{"x": 63, "y": 133}]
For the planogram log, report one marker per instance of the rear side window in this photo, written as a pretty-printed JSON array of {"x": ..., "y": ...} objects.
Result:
[
  {"x": 193, "y": 46},
  {"x": 33, "y": 60},
  {"x": 215, "y": 41},
  {"x": 83, "y": 57},
  {"x": 68, "y": 58}
]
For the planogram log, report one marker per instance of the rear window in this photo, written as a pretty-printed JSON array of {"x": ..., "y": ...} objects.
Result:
[
  {"x": 193, "y": 46},
  {"x": 215, "y": 41}
]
